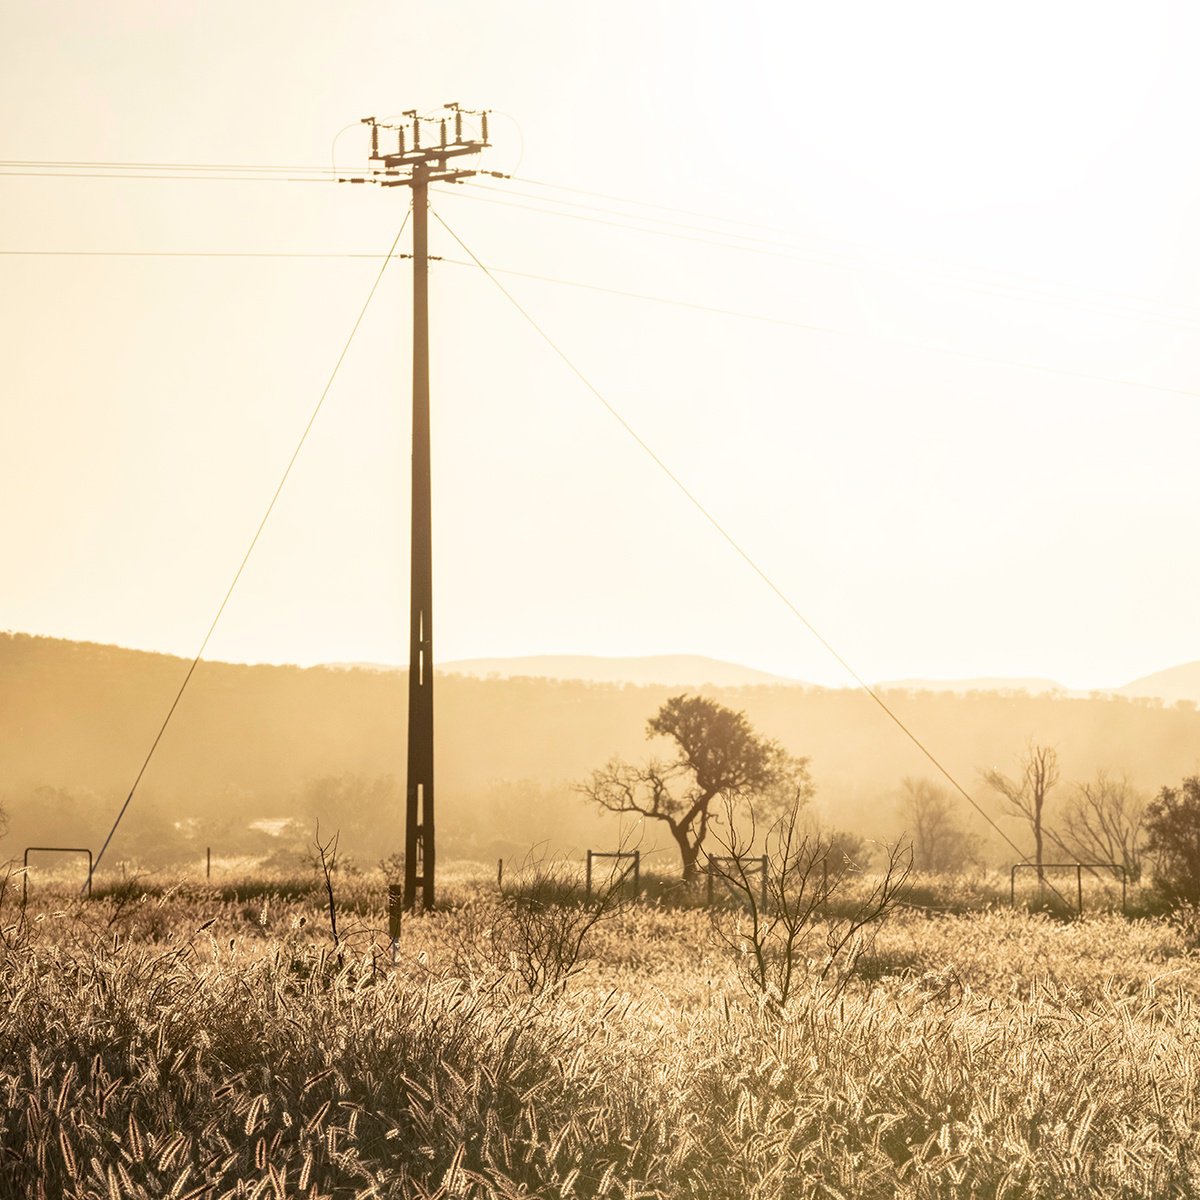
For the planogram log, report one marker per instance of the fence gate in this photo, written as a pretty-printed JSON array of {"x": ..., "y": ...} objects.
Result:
[
  {"x": 1078, "y": 868},
  {"x": 633, "y": 864},
  {"x": 743, "y": 868},
  {"x": 54, "y": 850}
]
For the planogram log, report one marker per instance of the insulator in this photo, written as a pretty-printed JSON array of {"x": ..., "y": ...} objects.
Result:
[
  {"x": 484, "y": 116},
  {"x": 443, "y": 133},
  {"x": 417, "y": 133},
  {"x": 400, "y": 133},
  {"x": 374, "y": 141},
  {"x": 458, "y": 124}
]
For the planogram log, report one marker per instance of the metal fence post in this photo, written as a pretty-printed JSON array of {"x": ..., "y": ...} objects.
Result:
[
  {"x": 54, "y": 850},
  {"x": 395, "y": 913}
]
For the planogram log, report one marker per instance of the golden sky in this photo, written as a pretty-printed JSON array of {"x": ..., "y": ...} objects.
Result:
[{"x": 956, "y": 424}]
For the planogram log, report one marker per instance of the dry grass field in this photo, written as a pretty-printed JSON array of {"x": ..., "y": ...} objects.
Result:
[{"x": 210, "y": 1040}]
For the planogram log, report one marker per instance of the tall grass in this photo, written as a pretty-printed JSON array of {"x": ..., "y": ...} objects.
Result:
[{"x": 985, "y": 1054}]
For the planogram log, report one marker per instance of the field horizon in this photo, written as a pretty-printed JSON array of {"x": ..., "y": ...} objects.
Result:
[{"x": 254, "y": 745}]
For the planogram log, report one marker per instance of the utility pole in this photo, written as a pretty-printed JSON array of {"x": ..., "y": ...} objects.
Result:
[{"x": 414, "y": 153}]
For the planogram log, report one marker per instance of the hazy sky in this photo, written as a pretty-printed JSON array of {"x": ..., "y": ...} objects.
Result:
[{"x": 957, "y": 425}]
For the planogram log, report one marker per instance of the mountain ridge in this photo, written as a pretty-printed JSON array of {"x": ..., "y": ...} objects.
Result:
[{"x": 671, "y": 670}]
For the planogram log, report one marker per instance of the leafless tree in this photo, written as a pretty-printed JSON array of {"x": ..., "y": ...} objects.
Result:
[
  {"x": 775, "y": 942},
  {"x": 1104, "y": 821},
  {"x": 535, "y": 930},
  {"x": 939, "y": 842},
  {"x": 719, "y": 760},
  {"x": 326, "y": 857},
  {"x": 1027, "y": 795}
]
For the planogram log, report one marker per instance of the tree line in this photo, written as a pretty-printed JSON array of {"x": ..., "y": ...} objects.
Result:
[{"x": 720, "y": 774}]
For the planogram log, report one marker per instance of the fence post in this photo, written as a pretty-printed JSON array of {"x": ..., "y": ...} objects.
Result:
[
  {"x": 395, "y": 912},
  {"x": 1079, "y": 885},
  {"x": 637, "y": 874},
  {"x": 500, "y": 873},
  {"x": 54, "y": 850},
  {"x": 589, "y": 875},
  {"x": 1124, "y": 881},
  {"x": 208, "y": 862}
]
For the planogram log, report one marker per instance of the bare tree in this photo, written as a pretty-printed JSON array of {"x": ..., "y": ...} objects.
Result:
[
  {"x": 939, "y": 842},
  {"x": 1104, "y": 821},
  {"x": 777, "y": 944},
  {"x": 326, "y": 858},
  {"x": 537, "y": 928},
  {"x": 1027, "y": 795},
  {"x": 719, "y": 759}
]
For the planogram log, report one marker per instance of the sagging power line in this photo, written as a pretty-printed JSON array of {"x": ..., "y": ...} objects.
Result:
[
  {"x": 737, "y": 547},
  {"x": 787, "y": 244},
  {"x": 246, "y": 557},
  {"x": 648, "y": 297}
]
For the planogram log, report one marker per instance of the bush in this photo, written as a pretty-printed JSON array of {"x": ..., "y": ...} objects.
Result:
[
  {"x": 1172, "y": 825},
  {"x": 786, "y": 934},
  {"x": 536, "y": 928}
]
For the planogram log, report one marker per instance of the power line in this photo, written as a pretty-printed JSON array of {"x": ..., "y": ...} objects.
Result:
[
  {"x": 1007, "y": 279},
  {"x": 249, "y": 550},
  {"x": 668, "y": 233},
  {"x": 272, "y": 172},
  {"x": 734, "y": 544},
  {"x": 647, "y": 297},
  {"x": 1144, "y": 309},
  {"x": 176, "y": 178},
  {"x": 487, "y": 187},
  {"x": 788, "y": 323},
  {"x": 161, "y": 166},
  {"x": 333, "y": 254},
  {"x": 685, "y": 212}
]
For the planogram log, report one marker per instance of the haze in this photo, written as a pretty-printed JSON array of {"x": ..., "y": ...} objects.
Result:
[{"x": 962, "y": 445}]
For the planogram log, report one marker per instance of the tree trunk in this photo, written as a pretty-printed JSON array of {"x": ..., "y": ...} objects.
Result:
[
  {"x": 1037, "y": 839},
  {"x": 688, "y": 853}
]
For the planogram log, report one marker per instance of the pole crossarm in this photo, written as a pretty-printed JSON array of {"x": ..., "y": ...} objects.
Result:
[{"x": 424, "y": 148}]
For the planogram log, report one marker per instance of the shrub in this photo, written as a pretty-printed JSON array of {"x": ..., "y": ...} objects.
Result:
[
  {"x": 783, "y": 932},
  {"x": 1172, "y": 825},
  {"x": 537, "y": 927}
]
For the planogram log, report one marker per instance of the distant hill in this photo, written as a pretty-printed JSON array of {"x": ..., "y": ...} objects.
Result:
[
  {"x": 1035, "y": 687},
  {"x": 1171, "y": 685},
  {"x": 670, "y": 670},
  {"x": 252, "y": 745}
]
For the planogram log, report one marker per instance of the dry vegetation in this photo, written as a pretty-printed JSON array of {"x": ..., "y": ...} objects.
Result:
[{"x": 209, "y": 1041}]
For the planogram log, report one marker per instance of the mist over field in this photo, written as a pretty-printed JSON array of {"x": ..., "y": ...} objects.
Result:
[{"x": 253, "y": 747}]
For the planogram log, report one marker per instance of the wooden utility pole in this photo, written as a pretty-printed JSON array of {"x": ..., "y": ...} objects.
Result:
[{"x": 414, "y": 153}]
